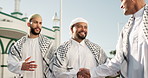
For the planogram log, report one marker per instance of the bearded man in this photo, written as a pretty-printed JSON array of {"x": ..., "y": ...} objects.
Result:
[
  {"x": 31, "y": 55},
  {"x": 78, "y": 52}
]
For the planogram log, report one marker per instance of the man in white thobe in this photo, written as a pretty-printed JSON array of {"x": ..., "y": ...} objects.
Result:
[
  {"x": 31, "y": 55},
  {"x": 132, "y": 47},
  {"x": 78, "y": 52}
]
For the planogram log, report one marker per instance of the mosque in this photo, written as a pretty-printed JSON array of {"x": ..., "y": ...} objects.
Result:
[{"x": 13, "y": 27}]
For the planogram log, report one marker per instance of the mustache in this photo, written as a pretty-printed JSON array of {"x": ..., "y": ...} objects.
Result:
[
  {"x": 37, "y": 28},
  {"x": 82, "y": 31}
]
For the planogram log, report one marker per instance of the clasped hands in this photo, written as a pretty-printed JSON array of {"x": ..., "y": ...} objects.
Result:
[
  {"x": 29, "y": 66},
  {"x": 83, "y": 73}
]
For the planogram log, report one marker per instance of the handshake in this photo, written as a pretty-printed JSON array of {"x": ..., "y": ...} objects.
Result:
[{"x": 83, "y": 73}]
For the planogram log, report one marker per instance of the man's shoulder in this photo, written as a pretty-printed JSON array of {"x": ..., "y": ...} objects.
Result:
[
  {"x": 43, "y": 37},
  {"x": 88, "y": 42},
  {"x": 22, "y": 39},
  {"x": 66, "y": 43}
]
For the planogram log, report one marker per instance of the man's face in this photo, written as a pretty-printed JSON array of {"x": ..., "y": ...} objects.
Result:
[
  {"x": 128, "y": 7},
  {"x": 35, "y": 26},
  {"x": 79, "y": 31}
]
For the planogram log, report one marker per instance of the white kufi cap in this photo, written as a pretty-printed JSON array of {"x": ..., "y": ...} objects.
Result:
[{"x": 77, "y": 20}]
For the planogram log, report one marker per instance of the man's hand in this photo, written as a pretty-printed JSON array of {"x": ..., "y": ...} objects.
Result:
[
  {"x": 83, "y": 73},
  {"x": 28, "y": 66}
]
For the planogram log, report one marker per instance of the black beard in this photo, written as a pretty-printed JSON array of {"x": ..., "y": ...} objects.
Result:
[
  {"x": 81, "y": 37},
  {"x": 33, "y": 31}
]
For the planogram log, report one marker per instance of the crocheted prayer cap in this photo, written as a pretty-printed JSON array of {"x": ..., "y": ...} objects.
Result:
[
  {"x": 77, "y": 20},
  {"x": 33, "y": 16}
]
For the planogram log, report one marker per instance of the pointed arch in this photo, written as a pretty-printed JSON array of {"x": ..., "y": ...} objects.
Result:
[
  {"x": 1, "y": 46},
  {"x": 11, "y": 42}
]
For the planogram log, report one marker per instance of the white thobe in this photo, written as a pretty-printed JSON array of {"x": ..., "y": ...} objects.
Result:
[
  {"x": 137, "y": 46},
  {"x": 137, "y": 50},
  {"x": 30, "y": 48},
  {"x": 78, "y": 56}
]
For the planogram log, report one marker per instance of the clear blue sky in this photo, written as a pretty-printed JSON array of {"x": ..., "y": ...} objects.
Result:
[{"x": 104, "y": 17}]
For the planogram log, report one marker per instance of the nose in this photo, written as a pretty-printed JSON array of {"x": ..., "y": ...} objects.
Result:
[
  {"x": 84, "y": 28},
  {"x": 39, "y": 25},
  {"x": 121, "y": 6}
]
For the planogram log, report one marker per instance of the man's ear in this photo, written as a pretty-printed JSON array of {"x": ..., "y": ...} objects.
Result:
[
  {"x": 71, "y": 29},
  {"x": 28, "y": 24}
]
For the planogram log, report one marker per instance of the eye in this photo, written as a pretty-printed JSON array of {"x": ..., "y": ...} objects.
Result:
[
  {"x": 79, "y": 26},
  {"x": 40, "y": 23},
  {"x": 85, "y": 27},
  {"x": 35, "y": 22}
]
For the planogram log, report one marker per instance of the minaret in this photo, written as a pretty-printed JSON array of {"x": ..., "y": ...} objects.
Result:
[
  {"x": 1, "y": 9},
  {"x": 17, "y": 6},
  {"x": 17, "y": 12},
  {"x": 56, "y": 29},
  {"x": 56, "y": 20}
]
